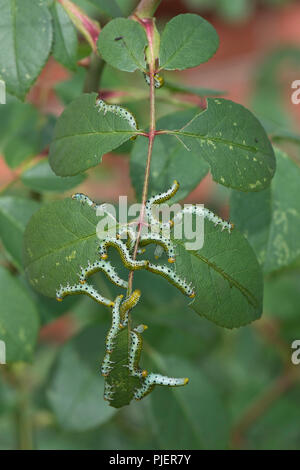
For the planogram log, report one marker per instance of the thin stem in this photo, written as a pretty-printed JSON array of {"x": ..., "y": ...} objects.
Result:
[
  {"x": 93, "y": 75},
  {"x": 151, "y": 137},
  {"x": 146, "y": 8}
]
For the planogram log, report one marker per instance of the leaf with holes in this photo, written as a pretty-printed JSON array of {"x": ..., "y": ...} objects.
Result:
[
  {"x": 59, "y": 238},
  {"x": 233, "y": 142},
  {"x": 226, "y": 276},
  {"x": 169, "y": 159},
  {"x": 270, "y": 220},
  {"x": 82, "y": 135}
]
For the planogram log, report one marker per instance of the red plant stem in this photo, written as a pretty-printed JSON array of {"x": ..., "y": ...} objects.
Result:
[{"x": 148, "y": 24}]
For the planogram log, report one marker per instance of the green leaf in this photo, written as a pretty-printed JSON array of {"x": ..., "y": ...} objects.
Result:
[
  {"x": 14, "y": 215},
  {"x": 226, "y": 276},
  {"x": 278, "y": 133},
  {"x": 128, "y": 53},
  {"x": 77, "y": 398},
  {"x": 233, "y": 142},
  {"x": 110, "y": 7},
  {"x": 65, "y": 37},
  {"x": 41, "y": 178},
  {"x": 182, "y": 88},
  {"x": 82, "y": 135},
  {"x": 282, "y": 298},
  {"x": 20, "y": 130},
  {"x": 170, "y": 160},
  {"x": 187, "y": 41},
  {"x": 204, "y": 422},
  {"x": 18, "y": 319},
  {"x": 59, "y": 238},
  {"x": 71, "y": 89},
  {"x": 26, "y": 37},
  {"x": 271, "y": 219},
  {"x": 122, "y": 383}
]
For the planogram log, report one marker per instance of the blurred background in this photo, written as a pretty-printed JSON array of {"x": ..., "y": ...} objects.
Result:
[{"x": 245, "y": 374}]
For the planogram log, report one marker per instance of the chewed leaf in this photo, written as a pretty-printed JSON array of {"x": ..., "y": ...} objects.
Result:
[
  {"x": 58, "y": 240},
  {"x": 270, "y": 220},
  {"x": 226, "y": 277},
  {"x": 83, "y": 134},
  {"x": 233, "y": 142}
]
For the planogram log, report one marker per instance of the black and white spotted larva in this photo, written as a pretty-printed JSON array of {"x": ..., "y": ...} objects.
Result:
[
  {"x": 107, "y": 268},
  {"x": 152, "y": 379},
  {"x": 173, "y": 278},
  {"x": 158, "y": 80},
  {"x": 115, "y": 325},
  {"x": 83, "y": 289},
  {"x": 118, "y": 111},
  {"x": 160, "y": 199},
  {"x": 164, "y": 242},
  {"x": 126, "y": 257}
]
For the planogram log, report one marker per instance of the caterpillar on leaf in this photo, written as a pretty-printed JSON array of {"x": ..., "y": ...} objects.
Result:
[
  {"x": 125, "y": 255},
  {"x": 107, "y": 268},
  {"x": 82, "y": 289},
  {"x": 124, "y": 379},
  {"x": 171, "y": 276},
  {"x": 128, "y": 304},
  {"x": 118, "y": 111}
]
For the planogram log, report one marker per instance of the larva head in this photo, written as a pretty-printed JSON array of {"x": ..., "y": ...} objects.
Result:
[
  {"x": 193, "y": 295},
  {"x": 144, "y": 373},
  {"x": 59, "y": 299},
  {"x": 104, "y": 256},
  {"x": 171, "y": 260},
  {"x": 186, "y": 381},
  {"x": 111, "y": 304}
]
